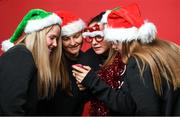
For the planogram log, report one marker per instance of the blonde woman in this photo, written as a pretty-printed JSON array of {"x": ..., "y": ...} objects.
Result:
[
  {"x": 151, "y": 80},
  {"x": 30, "y": 69}
]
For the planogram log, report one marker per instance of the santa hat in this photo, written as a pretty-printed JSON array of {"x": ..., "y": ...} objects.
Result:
[
  {"x": 34, "y": 20},
  {"x": 126, "y": 24},
  {"x": 93, "y": 31},
  {"x": 71, "y": 23}
]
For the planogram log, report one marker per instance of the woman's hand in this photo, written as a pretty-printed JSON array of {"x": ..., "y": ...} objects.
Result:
[
  {"x": 80, "y": 86},
  {"x": 80, "y": 72}
]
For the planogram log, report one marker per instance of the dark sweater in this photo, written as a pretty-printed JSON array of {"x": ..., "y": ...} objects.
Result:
[
  {"x": 62, "y": 104},
  {"x": 92, "y": 59},
  {"x": 137, "y": 95},
  {"x": 18, "y": 82}
]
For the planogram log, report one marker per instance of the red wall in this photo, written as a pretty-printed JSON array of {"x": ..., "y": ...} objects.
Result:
[{"x": 164, "y": 13}]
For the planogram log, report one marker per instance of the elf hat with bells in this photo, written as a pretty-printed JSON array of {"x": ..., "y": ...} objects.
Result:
[
  {"x": 34, "y": 20},
  {"x": 126, "y": 24},
  {"x": 71, "y": 23}
]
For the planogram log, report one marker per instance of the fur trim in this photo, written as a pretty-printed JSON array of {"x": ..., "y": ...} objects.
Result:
[
  {"x": 93, "y": 34},
  {"x": 120, "y": 34},
  {"x": 35, "y": 25},
  {"x": 73, "y": 27},
  {"x": 104, "y": 17},
  {"x": 6, "y": 45},
  {"x": 147, "y": 32}
]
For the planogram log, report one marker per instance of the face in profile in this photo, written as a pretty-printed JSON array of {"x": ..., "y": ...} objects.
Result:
[
  {"x": 52, "y": 38},
  {"x": 98, "y": 44},
  {"x": 72, "y": 44},
  {"x": 117, "y": 46}
]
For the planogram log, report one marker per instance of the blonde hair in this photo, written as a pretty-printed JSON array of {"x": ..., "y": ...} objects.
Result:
[
  {"x": 162, "y": 57},
  {"x": 50, "y": 67}
]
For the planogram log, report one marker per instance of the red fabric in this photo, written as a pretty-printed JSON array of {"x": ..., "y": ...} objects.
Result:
[
  {"x": 67, "y": 17},
  {"x": 86, "y": 109},
  {"x": 112, "y": 75},
  {"x": 125, "y": 17}
]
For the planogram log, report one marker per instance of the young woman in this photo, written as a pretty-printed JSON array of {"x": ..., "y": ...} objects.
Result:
[
  {"x": 32, "y": 69},
  {"x": 63, "y": 103},
  {"x": 151, "y": 81},
  {"x": 96, "y": 57}
]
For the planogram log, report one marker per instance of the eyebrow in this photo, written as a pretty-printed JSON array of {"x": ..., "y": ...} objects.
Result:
[{"x": 53, "y": 35}]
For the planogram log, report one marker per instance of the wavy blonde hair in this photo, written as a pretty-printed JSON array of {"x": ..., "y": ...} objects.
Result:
[
  {"x": 162, "y": 57},
  {"x": 51, "y": 70}
]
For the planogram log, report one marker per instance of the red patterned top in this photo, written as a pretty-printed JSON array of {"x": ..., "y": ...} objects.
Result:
[{"x": 112, "y": 75}]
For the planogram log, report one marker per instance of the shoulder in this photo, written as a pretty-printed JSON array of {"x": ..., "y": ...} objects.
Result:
[
  {"x": 18, "y": 53},
  {"x": 88, "y": 54},
  {"x": 21, "y": 49},
  {"x": 135, "y": 76},
  {"x": 132, "y": 63},
  {"x": 135, "y": 64}
]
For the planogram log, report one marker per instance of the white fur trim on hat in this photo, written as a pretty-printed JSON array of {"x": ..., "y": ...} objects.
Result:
[
  {"x": 73, "y": 27},
  {"x": 146, "y": 33},
  {"x": 93, "y": 34},
  {"x": 120, "y": 34},
  {"x": 35, "y": 25},
  {"x": 6, "y": 45},
  {"x": 104, "y": 17}
]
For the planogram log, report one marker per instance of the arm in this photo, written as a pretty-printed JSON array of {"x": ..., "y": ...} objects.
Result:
[
  {"x": 16, "y": 71},
  {"x": 142, "y": 90},
  {"x": 118, "y": 100}
]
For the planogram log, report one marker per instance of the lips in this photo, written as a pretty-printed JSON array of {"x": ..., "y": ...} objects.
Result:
[
  {"x": 96, "y": 48},
  {"x": 74, "y": 47},
  {"x": 51, "y": 49}
]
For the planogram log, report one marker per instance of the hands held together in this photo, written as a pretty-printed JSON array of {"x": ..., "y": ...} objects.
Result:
[{"x": 80, "y": 72}]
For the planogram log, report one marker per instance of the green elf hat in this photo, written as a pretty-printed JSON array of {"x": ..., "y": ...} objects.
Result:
[{"x": 34, "y": 20}]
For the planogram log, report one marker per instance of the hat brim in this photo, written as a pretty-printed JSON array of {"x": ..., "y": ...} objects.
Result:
[
  {"x": 35, "y": 25},
  {"x": 73, "y": 27}
]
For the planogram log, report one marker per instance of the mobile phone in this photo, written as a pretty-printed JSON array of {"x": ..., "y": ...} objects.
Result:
[{"x": 79, "y": 65}]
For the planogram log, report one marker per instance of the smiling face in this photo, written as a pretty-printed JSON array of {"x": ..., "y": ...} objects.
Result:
[
  {"x": 99, "y": 47},
  {"x": 52, "y": 37},
  {"x": 72, "y": 44}
]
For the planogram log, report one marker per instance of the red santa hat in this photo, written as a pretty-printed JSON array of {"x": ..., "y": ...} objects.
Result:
[
  {"x": 71, "y": 23},
  {"x": 126, "y": 24}
]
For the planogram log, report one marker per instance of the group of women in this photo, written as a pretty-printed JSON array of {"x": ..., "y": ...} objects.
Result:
[{"x": 127, "y": 71}]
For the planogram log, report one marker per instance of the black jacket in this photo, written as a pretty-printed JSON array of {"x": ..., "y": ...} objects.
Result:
[
  {"x": 92, "y": 59},
  {"x": 137, "y": 95},
  {"x": 62, "y": 104},
  {"x": 18, "y": 82}
]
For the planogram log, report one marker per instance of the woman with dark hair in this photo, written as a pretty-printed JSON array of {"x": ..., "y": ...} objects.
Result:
[{"x": 96, "y": 57}]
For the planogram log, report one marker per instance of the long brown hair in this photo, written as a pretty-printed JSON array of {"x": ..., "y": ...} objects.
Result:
[
  {"x": 161, "y": 56},
  {"x": 51, "y": 70},
  {"x": 111, "y": 56}
]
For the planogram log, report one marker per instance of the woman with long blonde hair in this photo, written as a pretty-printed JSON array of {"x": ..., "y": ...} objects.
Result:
[
  {"x": 33, "y": 68},
  {"x": 151, "y": 79}
]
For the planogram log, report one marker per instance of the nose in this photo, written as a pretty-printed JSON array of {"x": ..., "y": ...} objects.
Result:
[
  {"x": 54, "y": 43},
  {"x": 94, "y": 41},
  {"x": 72, "y": 41},
  {"x": 113, "y": 46}
]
